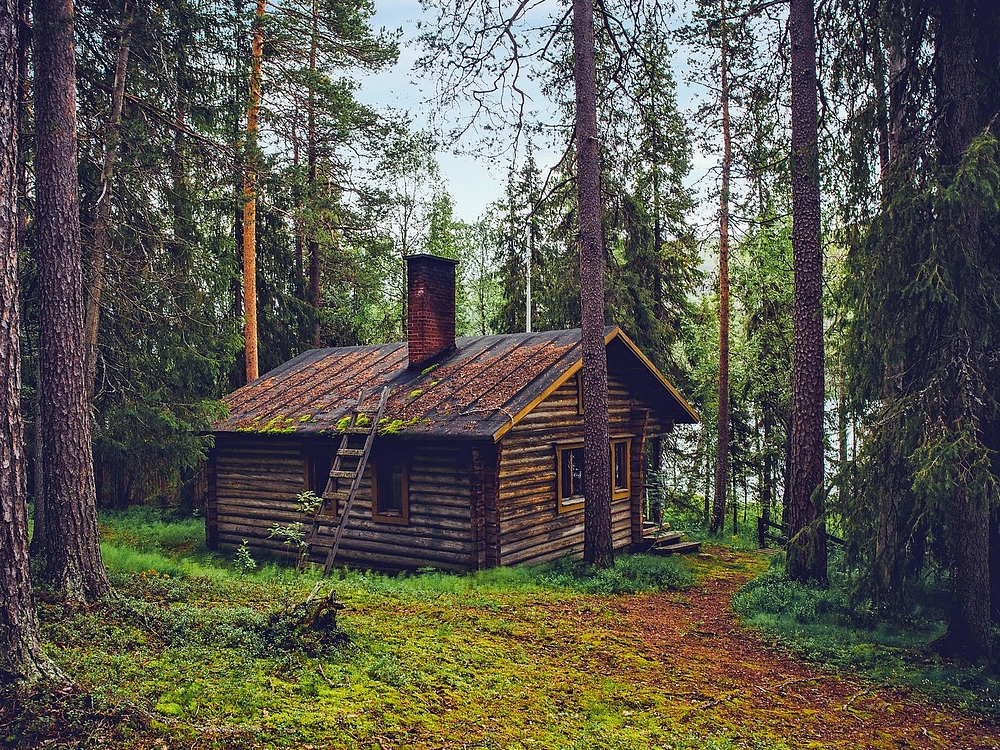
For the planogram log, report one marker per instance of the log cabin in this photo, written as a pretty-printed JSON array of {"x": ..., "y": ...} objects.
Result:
[{"x": 478, "y": 459}]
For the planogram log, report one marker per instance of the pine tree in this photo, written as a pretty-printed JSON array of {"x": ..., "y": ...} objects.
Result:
[
  {"x": 22, "y": 659},
  {"x": 250, "y": 181},
  {"x": 597, "y": 541},
  {"x": 70, "y": 554},
  {"x": 807, "y": 558},
  {"x": 922, "y": 280}
]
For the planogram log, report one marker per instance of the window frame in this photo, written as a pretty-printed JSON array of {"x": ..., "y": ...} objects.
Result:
[
  {"x": 311, "y": 456},
  {"x": 403, "y": 518},
  {"x": 574, "y": 502},
  {"x": 619, "y": 493}
]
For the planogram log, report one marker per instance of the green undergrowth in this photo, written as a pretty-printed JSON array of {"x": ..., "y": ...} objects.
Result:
[
  {"x": 692, "y": 526},
  {"x": 190, "y": 652},
  {"x": 823, "y": 626}
]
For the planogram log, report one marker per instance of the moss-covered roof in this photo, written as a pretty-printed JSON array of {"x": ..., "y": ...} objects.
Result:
[{"x": 478, "y": 390}]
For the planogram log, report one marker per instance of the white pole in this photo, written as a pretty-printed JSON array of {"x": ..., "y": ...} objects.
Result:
[{"x": 527, "y": 294}]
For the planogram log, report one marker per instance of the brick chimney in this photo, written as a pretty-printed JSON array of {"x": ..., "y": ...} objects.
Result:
[{"x": 430, "y": 318}]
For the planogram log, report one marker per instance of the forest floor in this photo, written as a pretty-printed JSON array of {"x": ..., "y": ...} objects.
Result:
[
  {"x": 507, "y": 660},
  {"x": 720, "y": 674}
]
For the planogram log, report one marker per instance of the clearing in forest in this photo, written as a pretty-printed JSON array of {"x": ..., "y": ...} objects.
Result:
[{"x": 507, "y": 659}]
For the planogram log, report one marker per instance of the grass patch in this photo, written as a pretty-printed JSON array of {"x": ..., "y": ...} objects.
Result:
[
  {"x": 147, "y": 529},
  {"x": 192, "y": 652},
  {"x": 692, "y": 526},
  {"x": 821, "y": 625},
  {"x": 503, "y": 658}
]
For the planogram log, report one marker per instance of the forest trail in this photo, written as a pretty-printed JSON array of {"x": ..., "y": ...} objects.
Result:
[{"x": 735, "y": 681}]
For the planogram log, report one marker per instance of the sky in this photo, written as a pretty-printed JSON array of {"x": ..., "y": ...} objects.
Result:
[{"x": 473, "y": 181}]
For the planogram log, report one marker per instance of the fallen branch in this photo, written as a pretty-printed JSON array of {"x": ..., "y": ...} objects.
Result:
[
  {"x": 329, "y": 682},
  {"x": 709, "y": 704},
  {"x": 855, "y": 697}
]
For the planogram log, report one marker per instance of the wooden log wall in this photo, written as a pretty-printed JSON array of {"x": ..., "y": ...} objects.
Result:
[
  {"x": 531, "y": 528},
  {"x": 258, "y": 477}
]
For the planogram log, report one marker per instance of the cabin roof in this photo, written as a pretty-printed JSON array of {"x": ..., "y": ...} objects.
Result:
[{"x": 478, "y": 390}]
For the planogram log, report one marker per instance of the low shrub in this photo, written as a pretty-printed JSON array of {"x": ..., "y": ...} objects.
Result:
[
  {"x": 630, "y": 574},
  {"x": 257, "y": 634},
  {"x": 827, "y": 626}
]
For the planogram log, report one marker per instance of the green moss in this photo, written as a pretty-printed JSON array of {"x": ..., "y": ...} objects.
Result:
[
  {"x": 415, "y": 393},
  {"x": 389, "y": 426},
  {"x": 432, "y": 368},
  {"x": 823, "y": 625},
  {"x": 504, "y": 658},
  {"x": 276, "y": 425}
]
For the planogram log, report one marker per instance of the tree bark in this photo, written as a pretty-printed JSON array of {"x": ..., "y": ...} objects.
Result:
[
  {"x": 968, "y": 538},
  {"x": 22, "y": 659},
  {"x": 250, "y": 196},
  {"x": 100, "y": 231},
  {"x": 312, "y": 156},
  {"x": 807, "y": 554},
  {"x": 722, "y": 449},
  {"x": 70, "y": 561},
  {"x": 767, "y": 480},
  {"x": 597, "y": 542}
]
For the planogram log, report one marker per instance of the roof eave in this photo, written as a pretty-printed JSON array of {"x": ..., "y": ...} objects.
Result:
[
  {"x": 618, "y": 333},
  {"x": 611, "y": 335}
]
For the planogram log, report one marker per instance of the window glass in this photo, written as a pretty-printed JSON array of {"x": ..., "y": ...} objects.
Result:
[
  {"x": 571, "y": 473},
  {"x": 319, "y": 472},
  {"x": 390, "y": 487},
  {"x": 620, "y": 456}
]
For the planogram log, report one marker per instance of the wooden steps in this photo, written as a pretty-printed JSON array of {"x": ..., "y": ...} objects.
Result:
[
  {"x": 677, "y": 547},
  {"x": 659, "y": 540}
]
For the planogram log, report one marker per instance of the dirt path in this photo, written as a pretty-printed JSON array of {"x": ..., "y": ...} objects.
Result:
[{"x": 733, "y": 679}]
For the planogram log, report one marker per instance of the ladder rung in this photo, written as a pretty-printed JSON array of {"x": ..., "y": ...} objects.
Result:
[
  {"x": 356, "y": 430},
  {"x": 343, "y": 474},
  {"x": 352, "y": 452}
]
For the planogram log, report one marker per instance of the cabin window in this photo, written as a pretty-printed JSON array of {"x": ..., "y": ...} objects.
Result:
[
  {"x": 317, "y": 473},
  {"x": 569, "y": 480},
  {"x": 621, "y": 468},
  {"x": 390, "y": 490}
]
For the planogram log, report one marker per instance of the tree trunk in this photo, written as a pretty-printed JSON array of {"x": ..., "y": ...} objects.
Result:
[
  {"x": 24, "y": 61},
  {"x": 722, "y": 449},
  {"x": 312, "y": 156},
  {"x": 968, "y": 538},
  {"x": 597, "y": 542},
  {"x": 250, "y": 196},
  {"x": 70, "y": 561},
  {"x": 767, "y": 483},
  {"x": 100, "y": 231},
  {"x": 22, "y": 659},
  {"x": 879, "y": 77},
  {"x": 807, "y": 532},
  {"x": 844, "y": 483}
]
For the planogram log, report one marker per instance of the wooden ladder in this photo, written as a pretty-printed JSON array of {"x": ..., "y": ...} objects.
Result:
[{"x": 348, "y": 466}]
